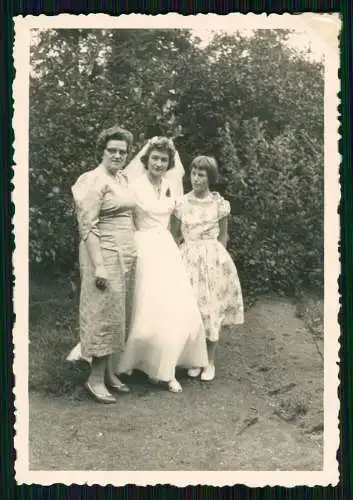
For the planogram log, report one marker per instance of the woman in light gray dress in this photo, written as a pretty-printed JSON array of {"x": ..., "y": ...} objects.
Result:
[{"x": 107, "y": 254}]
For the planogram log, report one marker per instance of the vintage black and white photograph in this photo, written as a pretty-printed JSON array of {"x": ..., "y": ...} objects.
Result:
[{"x": 176, "y": 229}]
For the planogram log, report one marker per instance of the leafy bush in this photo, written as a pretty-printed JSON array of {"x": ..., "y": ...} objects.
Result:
[
  {"x": 277, "y": 224},
  {"x": 253, "y": 103}
]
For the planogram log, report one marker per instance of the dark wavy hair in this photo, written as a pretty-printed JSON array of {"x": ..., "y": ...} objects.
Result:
[
  {"x": 114, "y": 133},
  {"x": 209, "y": 164},
  {"x": 162, "y": 144}
]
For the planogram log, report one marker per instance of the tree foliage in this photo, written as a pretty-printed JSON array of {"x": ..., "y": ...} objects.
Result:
[{"x": 252, "y": 102}]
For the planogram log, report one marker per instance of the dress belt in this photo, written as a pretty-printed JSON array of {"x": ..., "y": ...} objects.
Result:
[{"x": 202, "y": 237}]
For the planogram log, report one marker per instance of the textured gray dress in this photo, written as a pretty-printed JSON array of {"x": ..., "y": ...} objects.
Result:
[{"x": 104, "y": 207}]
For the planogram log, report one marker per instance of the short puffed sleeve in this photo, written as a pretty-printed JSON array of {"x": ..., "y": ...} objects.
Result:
[
  {"x": 88, "y": 193},
  {"x": 178, "y": 208},
  {"x": 223, "y": 207}
]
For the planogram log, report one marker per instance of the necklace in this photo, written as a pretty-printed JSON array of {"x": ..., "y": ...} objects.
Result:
[{"x": 156, "y": 186}]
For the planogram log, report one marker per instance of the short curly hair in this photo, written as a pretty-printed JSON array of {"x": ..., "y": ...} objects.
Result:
[
  {"x": 162, "y": 144},
  {"x": 113, "y": 133},
  {"x": 209, "y": 164}
]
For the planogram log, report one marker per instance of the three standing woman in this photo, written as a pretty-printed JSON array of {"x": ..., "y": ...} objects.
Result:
[{"x": 144, "y": 303}]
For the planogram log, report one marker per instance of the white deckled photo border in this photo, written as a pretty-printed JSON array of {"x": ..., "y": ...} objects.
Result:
[{"x": 316, "y": 25}]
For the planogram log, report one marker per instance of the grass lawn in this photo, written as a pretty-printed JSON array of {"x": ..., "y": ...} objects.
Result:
[{"x": 264, "y": 410}]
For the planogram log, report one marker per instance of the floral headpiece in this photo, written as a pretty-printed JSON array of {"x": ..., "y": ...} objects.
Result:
[{"x": 156, "y": 140}]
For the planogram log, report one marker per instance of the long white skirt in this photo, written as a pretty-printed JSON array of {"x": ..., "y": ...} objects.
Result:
[{"x": 166, "y": 329}]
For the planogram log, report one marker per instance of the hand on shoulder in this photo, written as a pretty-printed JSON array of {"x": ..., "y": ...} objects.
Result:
[{"x": 217, "y": 196}]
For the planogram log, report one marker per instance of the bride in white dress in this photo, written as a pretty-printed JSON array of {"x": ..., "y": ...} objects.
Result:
[{"x": 166, "y": 329}]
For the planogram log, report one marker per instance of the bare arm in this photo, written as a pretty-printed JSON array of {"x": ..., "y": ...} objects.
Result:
[
  {"x": 95, "y": 254},
  {"x": 94, "y": 250},
  {"x": 223, "y": 231}
]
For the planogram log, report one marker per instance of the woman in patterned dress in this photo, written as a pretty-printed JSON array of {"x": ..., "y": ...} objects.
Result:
[
  {"x": 201, "y": 220},
  {"x": 107, "y": 255},
  {"x": 166, "y": 328}
]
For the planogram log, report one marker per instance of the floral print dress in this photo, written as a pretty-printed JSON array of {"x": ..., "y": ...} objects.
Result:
[{"x": 211, "y": 270}]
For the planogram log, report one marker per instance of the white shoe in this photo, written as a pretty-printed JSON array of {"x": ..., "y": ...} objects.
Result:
[
  {"x": 174, "y": 386},
  {"x": 208, "y": 373},
  {"x": 194, "y": 372}
]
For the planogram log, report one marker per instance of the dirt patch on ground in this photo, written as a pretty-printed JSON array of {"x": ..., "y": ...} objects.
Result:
[{"x": 264, "y": 410}]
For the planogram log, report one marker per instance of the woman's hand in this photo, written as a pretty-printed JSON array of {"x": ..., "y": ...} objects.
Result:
[
  {"x": 101, "y": 278},
  {"x": 95, "y": 253}
]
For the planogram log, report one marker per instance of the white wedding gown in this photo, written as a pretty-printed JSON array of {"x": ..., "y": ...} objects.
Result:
[{"x": 166, "y": 329}]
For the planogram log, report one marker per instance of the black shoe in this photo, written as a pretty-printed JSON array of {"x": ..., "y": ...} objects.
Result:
[{"x": 120, "y": 387}]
